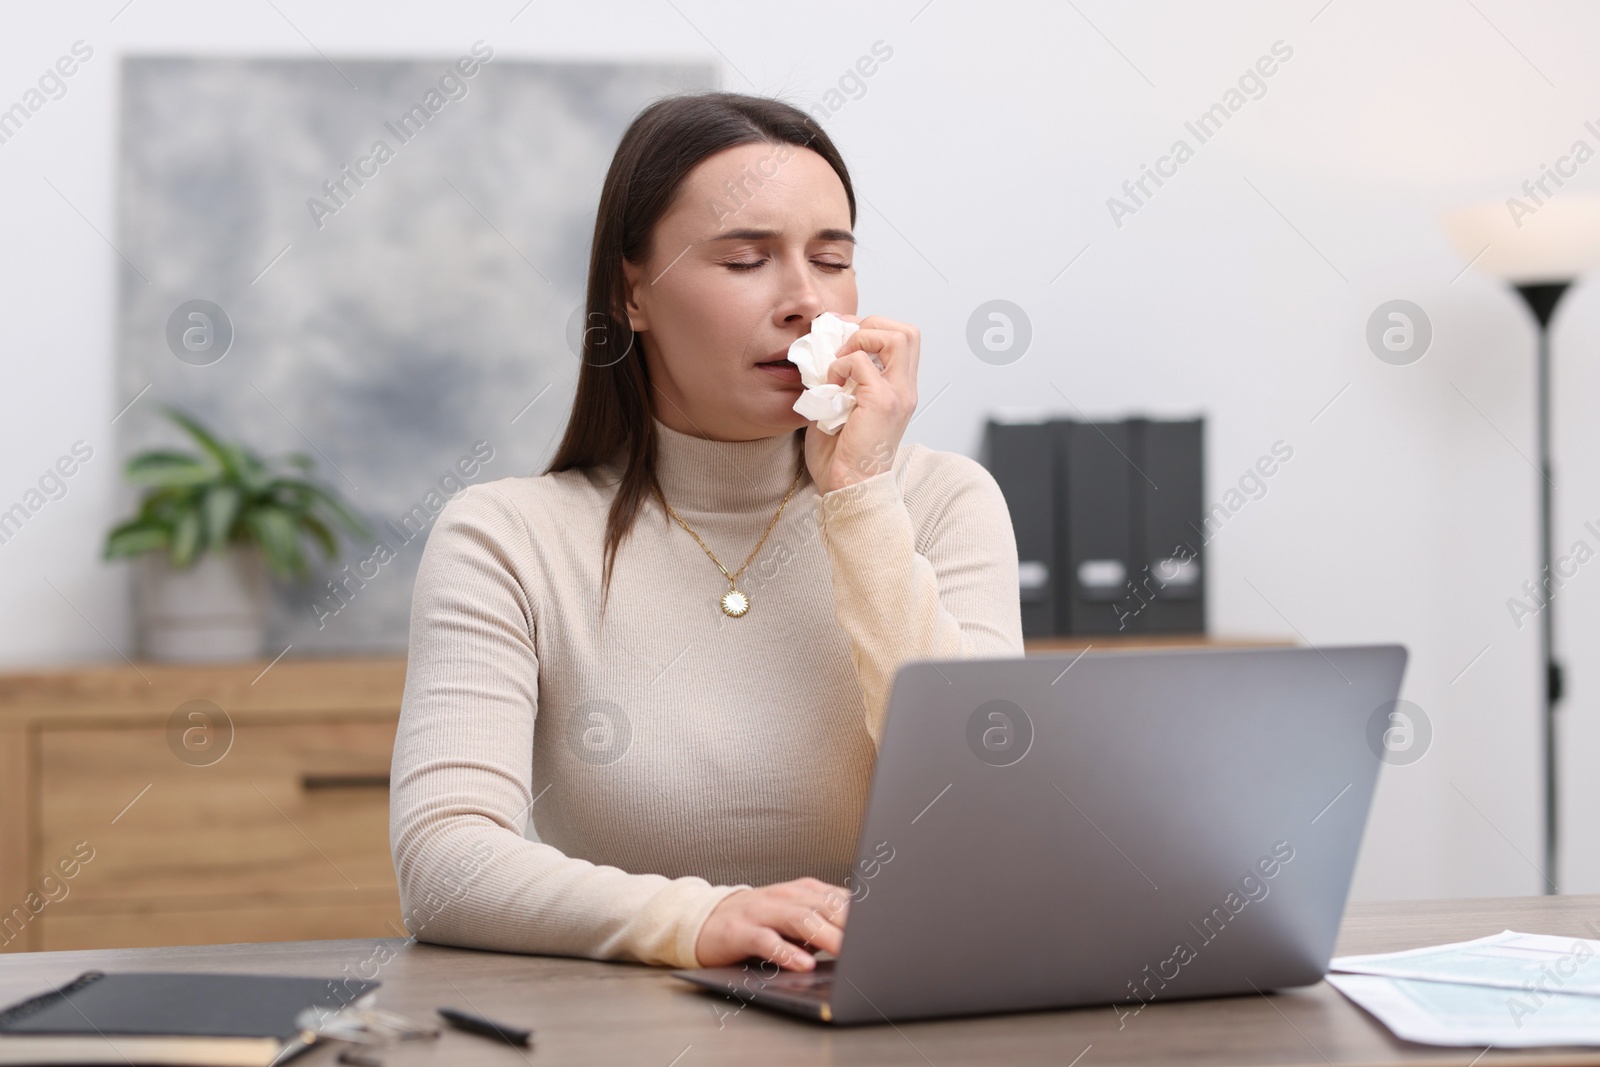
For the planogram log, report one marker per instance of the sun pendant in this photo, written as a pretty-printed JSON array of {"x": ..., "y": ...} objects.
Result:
[{"x": 734, "y": 603}]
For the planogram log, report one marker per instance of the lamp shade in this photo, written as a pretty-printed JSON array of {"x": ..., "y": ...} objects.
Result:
[{"x": 1527, "y": 243}]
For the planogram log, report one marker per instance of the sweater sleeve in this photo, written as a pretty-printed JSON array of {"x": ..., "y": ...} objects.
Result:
[
  {"x": 941, "y": 587},
  {"x": 461, "y": 781}
]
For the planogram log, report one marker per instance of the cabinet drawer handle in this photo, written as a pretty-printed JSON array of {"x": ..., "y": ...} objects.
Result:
[{"x": 344, "y": 781}]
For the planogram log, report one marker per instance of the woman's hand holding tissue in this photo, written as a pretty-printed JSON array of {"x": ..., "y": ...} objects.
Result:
[{"x": 885, "y": 400}]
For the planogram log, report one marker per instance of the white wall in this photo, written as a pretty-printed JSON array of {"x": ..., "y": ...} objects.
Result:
[{"x": 992, "y": 139}]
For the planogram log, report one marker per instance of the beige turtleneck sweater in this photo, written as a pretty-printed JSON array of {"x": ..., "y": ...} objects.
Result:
[{"x": 671, "y": 755}]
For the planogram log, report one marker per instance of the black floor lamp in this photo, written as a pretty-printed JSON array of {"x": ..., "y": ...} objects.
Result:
[{"x": 1539, "y": 246}]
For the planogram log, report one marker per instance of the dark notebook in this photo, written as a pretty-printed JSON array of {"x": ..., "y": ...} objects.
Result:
[{"x": 168, "y": 1018}]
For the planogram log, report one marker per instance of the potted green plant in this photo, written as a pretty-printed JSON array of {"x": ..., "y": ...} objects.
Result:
[{"x": 211, "y": 527}]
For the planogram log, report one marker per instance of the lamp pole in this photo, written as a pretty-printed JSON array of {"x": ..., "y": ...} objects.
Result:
[{"x": 1542, "y": 299}]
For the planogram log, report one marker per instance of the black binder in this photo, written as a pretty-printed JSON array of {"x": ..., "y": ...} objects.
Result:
[
  {"x": 1019, "y": 456},
  {"x": 1169, "y": 578},
  {"x": 1095, "y": 508},
  {"x": 168, "y": 1018},
  {"x": 1109, "y": 523}
]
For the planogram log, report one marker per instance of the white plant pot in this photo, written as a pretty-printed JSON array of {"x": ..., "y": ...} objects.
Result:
[{"x": 214, "y": 610}]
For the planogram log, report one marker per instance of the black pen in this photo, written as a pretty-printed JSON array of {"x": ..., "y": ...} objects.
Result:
[{"x": 475, "y": 1024}]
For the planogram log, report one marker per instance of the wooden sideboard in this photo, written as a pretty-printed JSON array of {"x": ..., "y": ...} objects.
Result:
[
  {"x": 185, "y": 804},
  {"x": 172, "y": 804}
]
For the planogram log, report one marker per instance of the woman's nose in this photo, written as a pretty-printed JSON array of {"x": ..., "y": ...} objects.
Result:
[{"x": 800, "y": 297}]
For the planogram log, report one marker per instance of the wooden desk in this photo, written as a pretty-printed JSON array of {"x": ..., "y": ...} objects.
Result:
[{"x": 591, "y": 1012}]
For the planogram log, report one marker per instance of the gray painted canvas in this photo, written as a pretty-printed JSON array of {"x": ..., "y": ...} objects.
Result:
[{"x": 399, "y": 248}]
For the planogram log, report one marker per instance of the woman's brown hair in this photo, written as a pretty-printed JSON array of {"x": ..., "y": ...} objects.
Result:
[{"x": 612, "y": 411}]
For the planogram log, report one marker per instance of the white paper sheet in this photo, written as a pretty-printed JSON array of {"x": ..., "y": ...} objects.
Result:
[
  {"x": 1540, "y": 963},
  {"x": 1451, "y": 1013}
]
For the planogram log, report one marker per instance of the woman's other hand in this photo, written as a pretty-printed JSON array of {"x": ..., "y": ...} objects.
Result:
[{"x": 772, "y": 922}]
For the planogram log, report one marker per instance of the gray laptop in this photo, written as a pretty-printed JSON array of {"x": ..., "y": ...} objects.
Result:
[{"x": 1106, "y": 828}]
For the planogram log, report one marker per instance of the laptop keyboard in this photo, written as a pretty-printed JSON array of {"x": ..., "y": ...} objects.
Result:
[{"x": 814, "y": 983}]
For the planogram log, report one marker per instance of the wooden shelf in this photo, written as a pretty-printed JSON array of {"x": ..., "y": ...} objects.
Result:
[
  {"x": 143, "y": 691},
  {"x": 1116, "y": 641}
]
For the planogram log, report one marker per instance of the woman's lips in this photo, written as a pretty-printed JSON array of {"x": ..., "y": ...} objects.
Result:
[{"x": 785, "y": 371}]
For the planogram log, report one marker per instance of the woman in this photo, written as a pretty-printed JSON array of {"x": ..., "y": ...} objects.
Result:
[{"x": 691, "y": 737}]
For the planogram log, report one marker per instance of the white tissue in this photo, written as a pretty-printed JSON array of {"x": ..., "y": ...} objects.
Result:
[{"x": 828, "y": 405}]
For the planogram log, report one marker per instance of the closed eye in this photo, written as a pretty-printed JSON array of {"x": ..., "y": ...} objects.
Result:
[{"x": 753, "y": 264}]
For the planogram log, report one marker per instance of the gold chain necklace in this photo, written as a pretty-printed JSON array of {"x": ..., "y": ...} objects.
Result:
[{"x": 735, "y": 603}]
